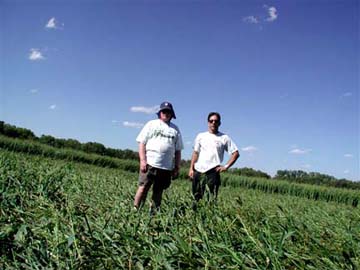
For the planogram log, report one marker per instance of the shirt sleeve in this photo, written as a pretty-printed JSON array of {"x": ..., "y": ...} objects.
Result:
[
  {"x": 197, "y": 143},
  {"x": 144, "y": 134},
  {"x": 230, "y": 146},
  {"x": 179, "y": 142}
]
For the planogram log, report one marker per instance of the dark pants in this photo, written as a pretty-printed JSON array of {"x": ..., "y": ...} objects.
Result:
[
  {"x": 210, "y": 179},
  {"x": 158, "y": 178}
]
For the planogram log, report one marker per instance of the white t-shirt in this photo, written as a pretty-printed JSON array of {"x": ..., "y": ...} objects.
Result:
[
  {"x": 211, "y": 149},
  {"x": 161, "y": 141}
]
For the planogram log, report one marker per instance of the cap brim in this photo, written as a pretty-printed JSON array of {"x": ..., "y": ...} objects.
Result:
[{"x": 170, "y": 109}]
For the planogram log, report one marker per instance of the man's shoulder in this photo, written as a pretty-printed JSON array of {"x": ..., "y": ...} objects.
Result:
[
  {"x": 203, "y": 134},
  {"x": 224, "y": 136},
  {"x": 221, "y": 134},
  {"x": 208, "y": 134},
  {"x": 153, "y": 122}
]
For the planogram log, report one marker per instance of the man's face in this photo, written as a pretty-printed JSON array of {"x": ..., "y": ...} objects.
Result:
[
  {"x": 165, "y": 115},
  {"x": 213, "y": 124}
]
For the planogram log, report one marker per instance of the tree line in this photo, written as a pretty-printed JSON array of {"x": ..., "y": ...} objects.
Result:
[
  {"x": 88, "y": 147},
  {"x": 315, "y": 178},
  {"x": 249, "y": 172}
]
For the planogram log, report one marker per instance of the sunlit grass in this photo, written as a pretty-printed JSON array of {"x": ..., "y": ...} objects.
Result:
[{"x": 61, "y": 215}]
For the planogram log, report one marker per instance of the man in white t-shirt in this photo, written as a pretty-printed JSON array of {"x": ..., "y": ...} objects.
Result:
[
  {"x": 209, "y": 148},
  {"x": 160, "y": 145}
]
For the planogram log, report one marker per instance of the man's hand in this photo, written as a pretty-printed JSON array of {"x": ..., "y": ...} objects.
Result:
[
  {"x": 175, "y": 173},
  {"x": 143, "y": 166},
  {"x": 191, "y": 174},
  {"x": 221, "y": 169},
  {"x": 142, "y": 157}
]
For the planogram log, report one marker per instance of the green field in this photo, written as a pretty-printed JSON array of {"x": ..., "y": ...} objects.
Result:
[{"x": 59, "y": 214}]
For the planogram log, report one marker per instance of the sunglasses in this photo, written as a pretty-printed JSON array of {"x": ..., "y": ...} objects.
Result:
[
  {"x": 166, "y": 111},
  {"x": 214, "y": 121}
]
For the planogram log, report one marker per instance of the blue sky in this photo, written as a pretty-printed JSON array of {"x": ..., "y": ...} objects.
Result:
[{"x": 283, "y": 74}]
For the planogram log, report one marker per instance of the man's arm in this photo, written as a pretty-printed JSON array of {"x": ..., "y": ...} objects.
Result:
[
  {"x": 194, "y": 158},
  {"x": 142, "y": 156},
  {"x": 177, "y": 164},
  {"x": 234, "y": 156},
  {"x": 177, "y": 158}
]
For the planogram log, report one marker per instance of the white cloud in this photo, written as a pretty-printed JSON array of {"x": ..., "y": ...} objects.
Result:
[
  {"x": 272, "y": 12},
  {"x": 347, "y": 94},
  {"x": 260, "y": 18},
  {"x": 298, "y": 151},
  {"x": 147, "y": 110},
  {"x": 132, "y": 124},
  {"x": 54, "y": 24},
  {"x": 34, "y": 91},
  {"x": 52, "y": 107},
  {"x": 249, "y": 149},
  {"x": 51, "y": 24},
  {"x": 35, "y": 55},
  {"x": 346, "y": 171},
  {"x": 251, "y": 19},
  {"x": 349, "y": 155}
]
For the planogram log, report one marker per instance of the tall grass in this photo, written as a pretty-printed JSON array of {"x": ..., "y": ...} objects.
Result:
[
  {"x": 347, "y": 196},
  {"x": 329, "y": 194},
  {"x": 61, "y": 215}
]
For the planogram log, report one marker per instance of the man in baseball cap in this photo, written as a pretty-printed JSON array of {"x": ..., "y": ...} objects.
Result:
[{"x": 160, "y": 146}]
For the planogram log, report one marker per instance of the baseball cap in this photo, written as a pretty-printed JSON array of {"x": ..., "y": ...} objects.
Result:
[{"x": 167, "y": 106}]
